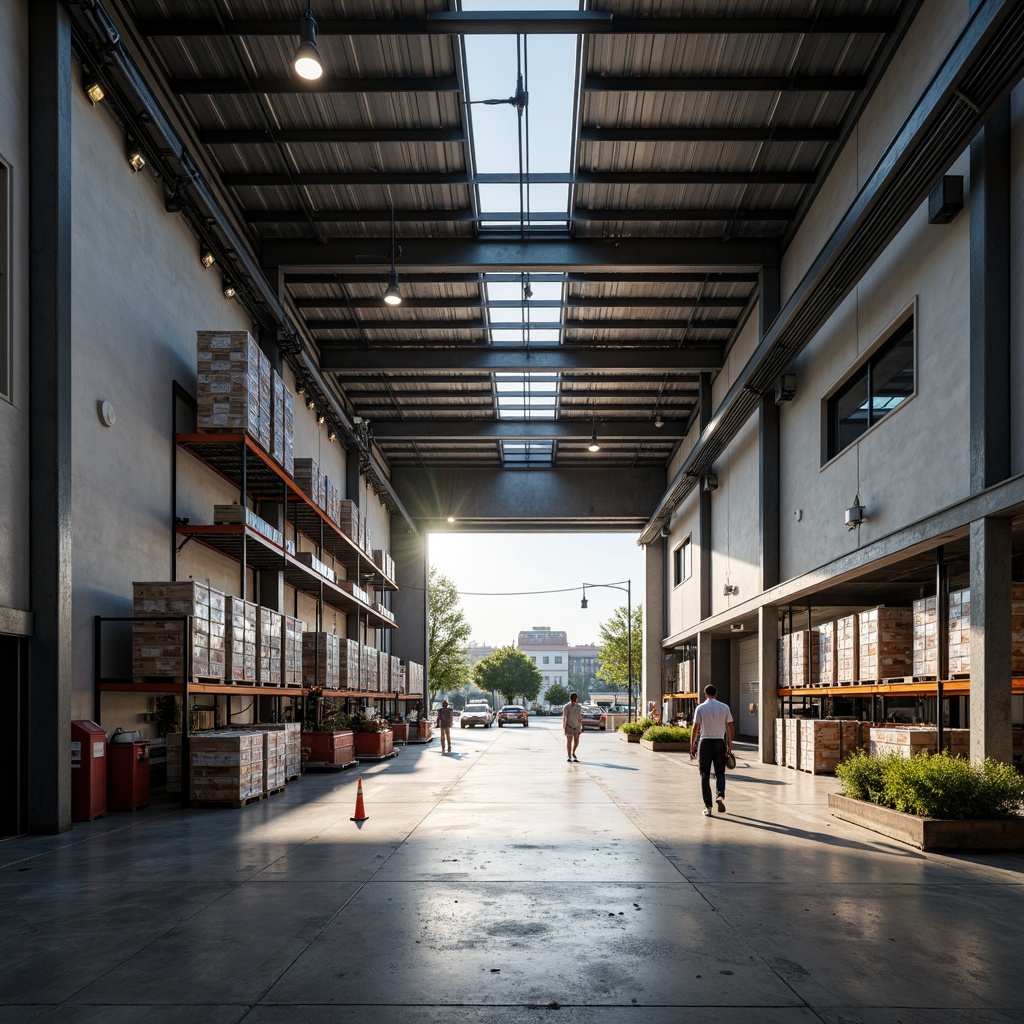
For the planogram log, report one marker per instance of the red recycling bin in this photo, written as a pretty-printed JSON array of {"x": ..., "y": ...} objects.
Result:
[
  {"x": 128, "y": 775},
  {"x": 88, "y": 771}
]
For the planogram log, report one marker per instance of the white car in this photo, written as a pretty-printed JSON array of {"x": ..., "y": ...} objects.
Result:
[{"x": 476, "y": 714}]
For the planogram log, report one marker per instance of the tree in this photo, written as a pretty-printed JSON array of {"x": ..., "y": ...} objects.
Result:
[
  {"x": 556, "y": 693},
  {"x": 510, "y": 673},
  {"x": 448, "y": 634},
  {"x": 614, "y": 665}
]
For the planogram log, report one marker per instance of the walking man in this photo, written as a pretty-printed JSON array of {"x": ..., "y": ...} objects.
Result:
[
  {"x": 711, "y": 740},
  {"x": 444, "y": 724},
  {"x": 572, "y": 725}
]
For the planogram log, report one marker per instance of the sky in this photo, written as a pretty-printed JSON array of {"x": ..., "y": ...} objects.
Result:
[{"x": 511, "y": 563}]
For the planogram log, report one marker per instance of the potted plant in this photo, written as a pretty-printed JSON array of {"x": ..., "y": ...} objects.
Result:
[
  {"x": 632, "y": 731},
  {"x": 373, "y": 736},
  {"x": 327, "y": 738},
  {"x": 666, "y": 738}
]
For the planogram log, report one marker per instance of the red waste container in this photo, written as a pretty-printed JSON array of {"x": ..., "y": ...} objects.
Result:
[
  {"x": 88, "y": 771},
  {"x": 127, "y": 772}
]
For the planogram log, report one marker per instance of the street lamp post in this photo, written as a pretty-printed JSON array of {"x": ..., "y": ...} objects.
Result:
[{"x": 628, "y": 588}]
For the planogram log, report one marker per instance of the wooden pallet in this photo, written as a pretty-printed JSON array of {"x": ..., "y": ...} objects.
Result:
[
  {"x": 328, "y": 766},
  {"x": 382, "y": 757},
  {"x": 272, "y": 792},
  {"x": 227, "y": 803}
]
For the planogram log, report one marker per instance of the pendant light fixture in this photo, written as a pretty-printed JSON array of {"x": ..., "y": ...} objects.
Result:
[
  {"x": 593, "y": 446},
  {"x": 307, "y": 61},
  {"x": 392, "y": 296}
]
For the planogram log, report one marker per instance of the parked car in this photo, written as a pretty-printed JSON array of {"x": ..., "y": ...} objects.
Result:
[
  {"x": 476, "y": 714},
  {"x": 593, "y": 716},
  {"x": 513, "y": 714}
]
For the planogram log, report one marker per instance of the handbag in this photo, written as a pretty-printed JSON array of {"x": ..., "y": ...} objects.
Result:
[{"x": 730, "y": 760}]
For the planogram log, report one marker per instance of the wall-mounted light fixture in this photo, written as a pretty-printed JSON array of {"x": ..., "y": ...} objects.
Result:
[
  {"x": 206, "y": 257},
  {"x": 93, "y": 90},
  {"x": 855, "y": 514},
  {"x": 711, "y": 482},
  {"x": 133, "y": 154},
  {"x": 300, "y": 388},
  {"x": 785, "y": 388},
  {"x": 321, "y": 419},
  {"x": 229, "y": 289},
  {"x": 307, "y": 61},
  {"x": 310, "y": 405},
  {"x": 736, "y": 627},
  {"x": 332, "y": 435},
  {"x": 730, "y": 589}
]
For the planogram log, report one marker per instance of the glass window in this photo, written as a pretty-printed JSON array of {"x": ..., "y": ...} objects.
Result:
[
  {"x": 546, "y": 659},
  {"x": 681, "y": 563},
  {"x": 873, "y": 390},
  {"x": 558, "y": 659}
]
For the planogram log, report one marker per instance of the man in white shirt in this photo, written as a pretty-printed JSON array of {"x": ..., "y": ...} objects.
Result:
[
  {"x": 711, "y": 740},
  {"x": 572, "y": 725}
]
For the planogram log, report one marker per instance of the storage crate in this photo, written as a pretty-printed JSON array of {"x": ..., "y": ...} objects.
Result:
[
  {"x": 226, "y": 767},
  {"x": 243, "y": 514},
  {"x": 309, "y": 479},
  {"x": 926, "y": 637},
  {"x": 960, "y": 632},
  {"x": 827, "y": 654},
  {"x": 348, "y": 664},
  {"x": 240, "y": 640},
  {"x": 919, "y": 739},
  {"x": 321, "y": 665},
  {"x": 368, "y": 667},
  {"x": 158, "y": 643},
  {"x": 413, "y": 679},
  {"x": 291, "y": 651},
  {"x": 816, "y": 745},
  {"x": 270, "y": 642},
  {"x": 886, "y": 643},
  {"x": 233, "y": 385},
  {"x": 348, "y": 519},
  {"x": 847, "y": 649}
]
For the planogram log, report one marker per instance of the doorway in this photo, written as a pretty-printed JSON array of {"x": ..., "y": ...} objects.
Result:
[
  {"x": 13, "y": 733},
  {"x": 748, "y": 691}
]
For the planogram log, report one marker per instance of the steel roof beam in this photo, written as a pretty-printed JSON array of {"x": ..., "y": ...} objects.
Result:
[
  {"x": 678, "y": 387},
  {"x": 711, "y": 133},
  {"x": 455, "y": 178},
  {"x": 439, "y": 276},
  {"x": 423, "y": 216},
  {"x": 465, "y": 23},
  {"x": 670, "y": 255},
  {"x": 282, "y": 86},
  {"x": 338, "y": 136},
  {"x": 480, "y": 324},
  {"x": 723, "y": 83},
  {"x": 517, "y": 359},
  {"x": 519, "y": 430},
  {"x": 625, "y": 301}
]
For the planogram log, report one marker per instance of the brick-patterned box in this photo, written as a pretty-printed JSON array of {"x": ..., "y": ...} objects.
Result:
[
  {"x": 233, "y": 385},
  {"x": 349, "y": 655},
  {"x": 320, "y": 661},
  {"x": 310, "y": 480},
  {"x": 886, "y": 643},
  {"x": 226, "y": 767},
  {"x": 926, "y": 636},
  {"x": 291, "y": 651},
  {"x": 157, "y": 643},
  {"x": 960, "y": 632},
  {"x": 368, "y": 666},
  {"x": 827, "y": 654},
  {"x": 804, "y": 654},
  {"x": 786, "y": 660},
  {"x": 847, "y": 649},
  {"x": 240, "y": 639},
  {"x": 348, "y": 519},
  {"x": 910, "y": 740},
  {"x": 269, "y": 640}
]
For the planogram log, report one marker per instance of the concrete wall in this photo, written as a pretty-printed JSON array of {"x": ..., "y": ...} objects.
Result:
[{"x": 14, "y": 568}]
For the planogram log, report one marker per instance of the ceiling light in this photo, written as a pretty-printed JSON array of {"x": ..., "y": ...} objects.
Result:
[
  {"x": 331, "y": 435},
  {"x": 321, "y": 419},
  {"x": 658, "y": 421},
  {"x": 392, "y": 296},
  {"x": 135, "y": 157},
  {"x": 94, "y": 91},
  {"x": 311, "y": 405},
  {"x": 451, "y": 519},
  {"x": 307, "y": 61},
  {"x": 206, "y": 257},
  {"x": 300, "y": 388},
  {"x": 229, "y": 290},
  {"x": 593, "y": 446}
]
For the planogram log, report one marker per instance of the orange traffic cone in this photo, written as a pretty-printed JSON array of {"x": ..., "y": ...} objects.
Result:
[{"x": 360, "y": 814}]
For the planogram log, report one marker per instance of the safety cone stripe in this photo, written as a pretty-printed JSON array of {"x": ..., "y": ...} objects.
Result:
[{"x": 360, "y": 814}]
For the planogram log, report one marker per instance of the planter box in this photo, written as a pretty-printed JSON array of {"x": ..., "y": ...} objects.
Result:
[
  {"x": 422, "y": 734},
  {"x": 657, "y": 745},
  {"x": 400, "y": 732},
  {"x": 630, "y": 737},
  {"x": 331, "y": 748},
  {"x": 374, "y": 744},
  {"x": 930, "y": 833}
]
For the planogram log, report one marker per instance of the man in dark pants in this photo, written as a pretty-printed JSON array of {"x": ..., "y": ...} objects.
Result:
[{"x": 711, "y": 740}]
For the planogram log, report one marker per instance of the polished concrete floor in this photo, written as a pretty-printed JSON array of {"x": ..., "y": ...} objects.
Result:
[{"x": 500, "y": 885}]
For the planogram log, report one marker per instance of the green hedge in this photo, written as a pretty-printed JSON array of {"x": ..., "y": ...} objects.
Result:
[
  {"x": 934, "y": 785},
  {"x": 667, "y": 734},
  {"x": 637, "y": 728}
]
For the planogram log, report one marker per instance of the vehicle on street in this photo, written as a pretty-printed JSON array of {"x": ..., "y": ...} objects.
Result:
[
  {"x": 513, "y": 714},
  {"x": 476, "y": 714},
  {"x": 593, "y": 717}
]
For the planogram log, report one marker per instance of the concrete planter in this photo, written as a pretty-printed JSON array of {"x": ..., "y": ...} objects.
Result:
[
  {"x": 672, "y": 748},
  {"x": 930, "y": 833},
  {"x": 630, "y": 737}
]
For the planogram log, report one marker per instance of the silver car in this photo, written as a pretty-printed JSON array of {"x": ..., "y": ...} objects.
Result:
[{"x": 476, "y": 714}]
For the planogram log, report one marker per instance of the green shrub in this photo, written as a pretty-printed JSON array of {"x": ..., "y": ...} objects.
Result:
[
  {"x": 934, "y": 785},
  {"x": 637, "y": 728},
  {"x": 666, "y": 734}
]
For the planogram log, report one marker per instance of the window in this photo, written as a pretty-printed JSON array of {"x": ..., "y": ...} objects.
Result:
[
  {"x": 682, "y": 564},
  {"x": 546, "y": 659},
  {"x": 5, "y": 281},
  {"x": 558, "y": 659},
  {"x": 879, "y": 385}
]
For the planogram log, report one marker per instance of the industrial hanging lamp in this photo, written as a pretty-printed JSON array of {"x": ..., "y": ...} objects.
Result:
[
  {"x": 593, "y": 446},
  {"x": 307, "y": 61},
  {"x": 392, "y": 296}
]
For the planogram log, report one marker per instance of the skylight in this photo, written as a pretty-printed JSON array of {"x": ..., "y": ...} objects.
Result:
[{"x": 513, "y": 144}]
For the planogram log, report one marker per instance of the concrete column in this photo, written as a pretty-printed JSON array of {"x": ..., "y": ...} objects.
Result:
[
  {"x": 409, "y": 550},
  {"x": 704, "y": 661},
  {"x": 50, "y": 504},
  {"x": 769, "y": 450},
  {"x": 990, "y": 289},
  {"x": 991, "y": 666},
  {"x": 652, "y": 666},
  {"x": 768, "y": 695},
  {"x": 704, "y": 527}
]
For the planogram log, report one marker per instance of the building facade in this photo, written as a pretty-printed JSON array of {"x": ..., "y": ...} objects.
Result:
[{"x": 548, "y": 649}]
